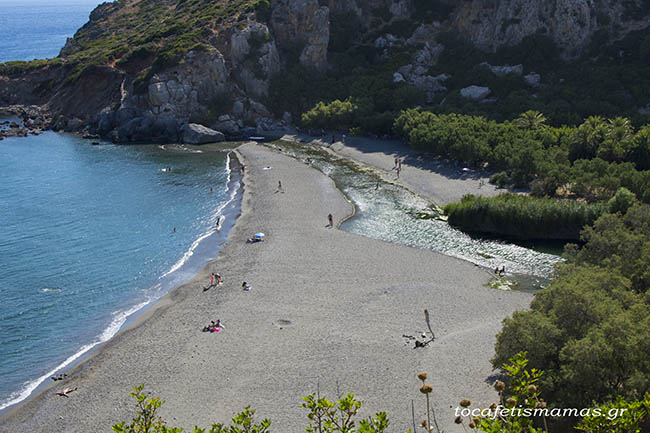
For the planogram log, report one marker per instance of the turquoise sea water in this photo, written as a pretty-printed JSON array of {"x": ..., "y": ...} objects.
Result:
[
  {"x": 38, "y": 29},
  {"x": 88, "y": 239}
]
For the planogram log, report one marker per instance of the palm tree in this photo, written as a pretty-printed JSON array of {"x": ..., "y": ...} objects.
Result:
[
  {"x": 531, "y": 119},
  {"x": 619, "y": 129}
]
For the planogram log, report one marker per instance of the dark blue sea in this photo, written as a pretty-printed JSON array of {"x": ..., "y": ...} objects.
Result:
[
  {"x": 87, "y": 239},
  {"x": 87, "y": 232},
  {"x": 37, "y": 29}
]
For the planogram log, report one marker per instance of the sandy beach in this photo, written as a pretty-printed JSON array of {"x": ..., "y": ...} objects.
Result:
[{"x": 327, "y": 309}]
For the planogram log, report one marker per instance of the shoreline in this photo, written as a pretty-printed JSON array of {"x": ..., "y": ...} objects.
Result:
[
  {"x": 258, "y": 198},
  {"x": 130, "y": 314}
]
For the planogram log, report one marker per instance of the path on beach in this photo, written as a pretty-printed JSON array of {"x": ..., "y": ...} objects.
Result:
[
  {"x": 327, "y": 308},
  {"x": 441, "y": 181}
]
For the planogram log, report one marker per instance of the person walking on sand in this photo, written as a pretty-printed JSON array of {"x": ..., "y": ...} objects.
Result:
[
  {"x": 280, "y": 185},
  {"x": 212, "y": 279},
  {"x": 330, "y": 219}
]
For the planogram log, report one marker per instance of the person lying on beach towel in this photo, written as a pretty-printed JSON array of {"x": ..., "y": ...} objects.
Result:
[
  {"x": 246, "y": 287},
  {"x": 213, "y": 326}
]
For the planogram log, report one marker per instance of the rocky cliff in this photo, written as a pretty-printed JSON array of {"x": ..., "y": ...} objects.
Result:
[{"x": 143, "y": 70}]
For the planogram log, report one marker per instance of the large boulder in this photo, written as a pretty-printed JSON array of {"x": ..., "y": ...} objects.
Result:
[
  {"x": 503, "y": 70},
  {"x": 533, "y": 79},
  {"x": 194, "y": 133},
  {"x": 475, "y": 93}
]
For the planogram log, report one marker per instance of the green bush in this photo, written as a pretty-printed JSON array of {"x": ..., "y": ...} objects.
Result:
[
  {"x": 500, "y": 179},
  {"x": 522, "y": 217},
  {"x": 589, "y": 328}
]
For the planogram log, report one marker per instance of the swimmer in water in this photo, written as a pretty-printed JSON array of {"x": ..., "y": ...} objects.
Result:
[{"x": 174, "y": 229}]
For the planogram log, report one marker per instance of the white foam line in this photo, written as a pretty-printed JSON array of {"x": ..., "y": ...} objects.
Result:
[
  {"x": 217, "y": 214},
  {"x": 119, "y": 318}
]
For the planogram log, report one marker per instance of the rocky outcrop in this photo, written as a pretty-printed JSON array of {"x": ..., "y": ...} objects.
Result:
[
  {"x": 533, "y": 79},
  {"x": 254, "y": 58},
  {"x": 475, "y": 93},
  {"x": 194, "y": 133},
  {"x": 503, "y": 70},
  {"x": 304, "y": 22},
  {"x": 186, "y": 90},
  {"x": 489, "y": 24}
]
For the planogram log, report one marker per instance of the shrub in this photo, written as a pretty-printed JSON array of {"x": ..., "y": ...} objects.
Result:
[
  {"x": 500, "y": 179},
  {"x": 522, "y": 217}
]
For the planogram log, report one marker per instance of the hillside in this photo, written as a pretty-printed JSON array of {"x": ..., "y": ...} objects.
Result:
[{"x": 143, "y": 69}]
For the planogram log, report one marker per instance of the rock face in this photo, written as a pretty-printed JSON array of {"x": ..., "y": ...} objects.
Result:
[
  {"x": 230, "y": 72},
  {"x": 199, "y": 134},
  {"x": 489, "y": 24},
  {"x": 533, "y": 79},
  {"x": 502, "y": 71},
  {"x": 254, "y": 58},
  {"x": 304, "y": 22},
  {"x": 475, "y": 93}
]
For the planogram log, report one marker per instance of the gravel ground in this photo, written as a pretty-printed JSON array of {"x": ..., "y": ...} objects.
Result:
[
  {"x": 327, "y": 310},
  {"x": 440, "y": 180}
]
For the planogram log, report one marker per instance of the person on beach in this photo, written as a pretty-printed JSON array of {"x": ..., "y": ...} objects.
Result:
[
  {"x": 212, "y": 279},
  {"x": 243, "y": 169},
  {"x": 218, "y": 222},
  {"x": 280, "y": 185},
  {"x": 397, "y": 170},
  {"x": 503, "y": 270},
  {"x": 245, "y": 286},
  {"x": 330, "y": 219},
  {"x": 395, "y": 166},
  {"x": 174, "y": 229},
  {"x": 496, "y": 270},
  {"x": 218, "y": 278}
]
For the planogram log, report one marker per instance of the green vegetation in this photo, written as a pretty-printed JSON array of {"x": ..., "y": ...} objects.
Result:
[
  {"x": 143, "y": 37},
  {"x": 324, "y": 417},
  {"x": 359, "y": 77},
  {"x": 520, "y": 409},
  {"x": 524, "y": 217},
  {"x": 590, "y": 162},
  {"x": 589, "y": 329}
]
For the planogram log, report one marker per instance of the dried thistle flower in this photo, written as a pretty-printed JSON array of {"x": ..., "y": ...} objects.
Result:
[
  {"x": 493, "y": 406},
  {"x": 511, "y": 402},
  {"x": 532, "y": 388},
  {"x": 499, "y": 386},
  {"x": 458, "y": 420},
  {"x": 426, "y": 389},
  {"x": 465, "y": 402},
  {"x": 422, "y": 376},
  {"x": 423, "y": 423},
  {"x": 471, "y": 424},
  {"x": 541, "y": 404}
]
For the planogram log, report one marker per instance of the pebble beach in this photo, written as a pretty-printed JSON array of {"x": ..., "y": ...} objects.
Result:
[{"x": 328, "y": 311}]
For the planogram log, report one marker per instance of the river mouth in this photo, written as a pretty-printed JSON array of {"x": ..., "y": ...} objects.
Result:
[{"x": 389, "y": 212}]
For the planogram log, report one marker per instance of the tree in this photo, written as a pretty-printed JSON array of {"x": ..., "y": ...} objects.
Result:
[{"x": 531, "y": 119}]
